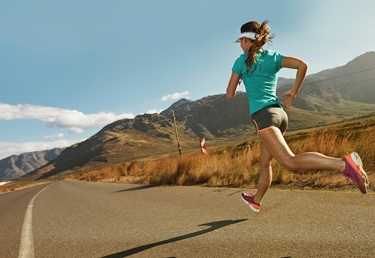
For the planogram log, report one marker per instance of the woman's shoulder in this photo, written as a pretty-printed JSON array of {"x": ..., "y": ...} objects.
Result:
[
  {"x": 271, "y": 55},
  {"x": 243, "y": 56},
  {"x": 270, "y": 52}
]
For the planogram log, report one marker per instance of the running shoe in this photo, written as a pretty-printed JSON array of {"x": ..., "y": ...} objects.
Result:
[
  {"x": 354, "y": 171},
  {"x": 249, "y": 200}
]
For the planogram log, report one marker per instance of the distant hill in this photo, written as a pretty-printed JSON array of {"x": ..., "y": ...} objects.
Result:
[
  {"x": 330, "y": 96},
  {"x": 212, "y": 116},
  {"x": 354, "y": 81},
  {"x": 18, "y": 165}
]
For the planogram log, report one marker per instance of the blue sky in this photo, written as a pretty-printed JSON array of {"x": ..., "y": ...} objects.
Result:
[{"x": 68, "y": 68}]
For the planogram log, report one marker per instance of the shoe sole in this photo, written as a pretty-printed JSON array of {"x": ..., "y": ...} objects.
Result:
[
  {"x": 355, "y": 157},
  {"x": 251, "y": 207},
  {"x": 363, "y": 173}
]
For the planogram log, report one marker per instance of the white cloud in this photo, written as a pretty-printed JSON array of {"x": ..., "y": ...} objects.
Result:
[
  {"x": 175, "y": 96},
  {"x": 54, "y": 137},
  {"x": 14, "y": 148},
  {"x": 153, "y": 111},
  {"x": 73, "y": 120},
  {"x": 75, "y": 130}
]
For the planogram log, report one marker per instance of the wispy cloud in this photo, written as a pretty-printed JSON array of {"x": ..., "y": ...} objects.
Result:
[
  {"x": 54, "y": 137},
  {"x": 73, "y": 120},
  {"x": 15, "y": 148},
  {"x": 175, "y": 96}
]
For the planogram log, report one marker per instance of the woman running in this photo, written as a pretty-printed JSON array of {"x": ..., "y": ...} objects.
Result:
[{"x": 258, "y": 69}]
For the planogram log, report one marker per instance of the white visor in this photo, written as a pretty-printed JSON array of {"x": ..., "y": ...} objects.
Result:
[{"x": 249, "y": 35}]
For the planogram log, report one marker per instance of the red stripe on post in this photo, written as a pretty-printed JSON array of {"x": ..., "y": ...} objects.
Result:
[{"x": 203, "y": 145}]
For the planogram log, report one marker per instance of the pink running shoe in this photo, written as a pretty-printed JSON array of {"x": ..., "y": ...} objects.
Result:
[
  {"x": 354, "y": 171},
  {"x": 249, "y": 200}
]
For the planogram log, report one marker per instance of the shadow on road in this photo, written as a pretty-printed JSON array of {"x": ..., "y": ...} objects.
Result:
[
  {"x": 212, "y": 226},
  {"x": 142, "y": 187}
]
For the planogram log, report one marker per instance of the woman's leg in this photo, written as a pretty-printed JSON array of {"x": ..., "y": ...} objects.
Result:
[
  {"x": 265, "y": 176},
  {"x": 273, "y": 140}
]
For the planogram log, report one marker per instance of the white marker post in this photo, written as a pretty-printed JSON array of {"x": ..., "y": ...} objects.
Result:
[{"x": 203, "y": 145}]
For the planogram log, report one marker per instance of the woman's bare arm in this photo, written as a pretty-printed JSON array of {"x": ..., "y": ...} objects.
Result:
[
  {"x": 301, "y": 66},
  {"x": 234, "y": 81}
]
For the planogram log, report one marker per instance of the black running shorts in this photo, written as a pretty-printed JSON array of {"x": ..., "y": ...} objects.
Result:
[{"x": 270, "y": 116}]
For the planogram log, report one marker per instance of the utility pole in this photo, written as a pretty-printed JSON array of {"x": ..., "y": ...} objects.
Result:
[{"x": 175, "y": 128}]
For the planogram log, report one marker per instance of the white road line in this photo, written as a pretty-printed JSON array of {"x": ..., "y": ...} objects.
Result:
[{"x": 27, "y": 242}]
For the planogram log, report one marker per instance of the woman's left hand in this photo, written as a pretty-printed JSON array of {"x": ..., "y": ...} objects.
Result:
[{"x": 289, "y": 98}]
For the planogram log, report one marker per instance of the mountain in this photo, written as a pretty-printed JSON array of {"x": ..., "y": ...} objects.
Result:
[
  {"x": 15, "y": 166},
  {"x": 121, "y": 141},
  {"x": 354, "y": 81},
  {"x": 212, "y": 116},
  {"x": 330, "y": 96}
]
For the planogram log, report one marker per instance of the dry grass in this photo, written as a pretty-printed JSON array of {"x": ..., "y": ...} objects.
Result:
[
  {"x": 12, "y": 186},
  {"x": 8, "y": 188},
  {"x": 238, "y": 166}
]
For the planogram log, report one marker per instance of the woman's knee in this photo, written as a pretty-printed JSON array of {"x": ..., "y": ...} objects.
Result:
[{"x": 289, "y": 164}]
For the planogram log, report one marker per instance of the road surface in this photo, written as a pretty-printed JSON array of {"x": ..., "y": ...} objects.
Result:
[{"x": 79, "y": 219}]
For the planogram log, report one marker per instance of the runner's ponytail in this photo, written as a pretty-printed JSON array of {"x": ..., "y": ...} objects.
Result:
[{"x": 262, "y": 37}]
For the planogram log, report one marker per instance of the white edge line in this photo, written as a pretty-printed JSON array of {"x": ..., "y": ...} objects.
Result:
[{"x": 27, "y": 242}]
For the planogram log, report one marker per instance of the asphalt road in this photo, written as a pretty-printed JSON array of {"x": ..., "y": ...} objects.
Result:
[{"x": 80, "y": 219}]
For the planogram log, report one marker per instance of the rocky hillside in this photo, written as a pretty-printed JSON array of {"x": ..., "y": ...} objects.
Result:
[
  {"x": 15, "y": 166},
  {"x": 121, "y": 141},
  {"x": 212, "y": 116},
  {"x": 354, "y": 81}
]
